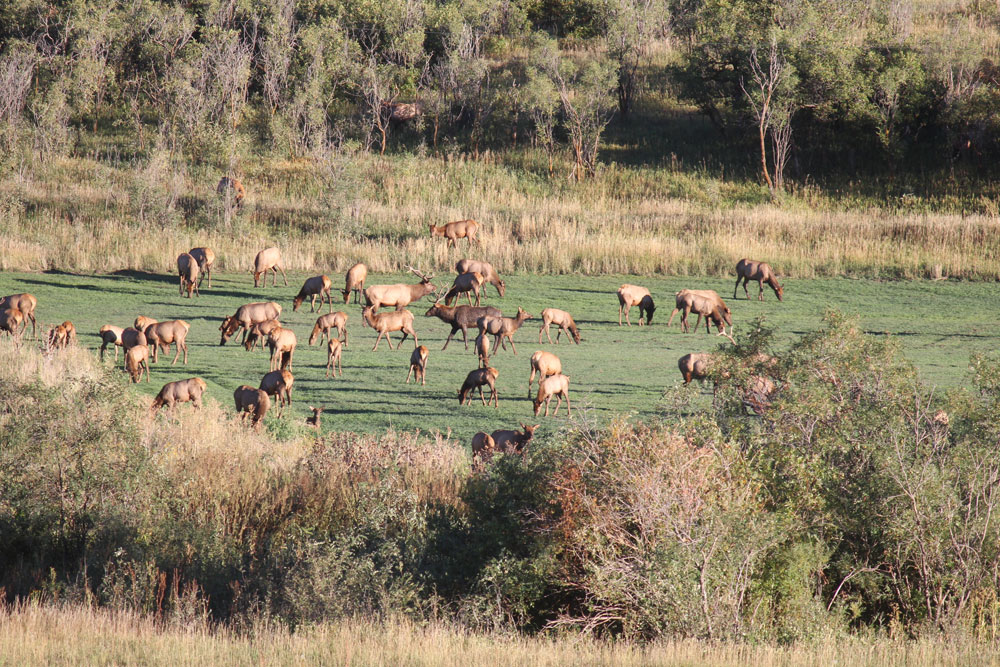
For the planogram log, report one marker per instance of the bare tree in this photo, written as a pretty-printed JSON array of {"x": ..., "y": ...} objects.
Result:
[
  {"x": 767, "y": 79},
  {"x": 17, "y": 68}
]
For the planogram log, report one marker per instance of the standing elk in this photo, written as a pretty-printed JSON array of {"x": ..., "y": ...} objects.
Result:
[
  {"x": 354, "y": 281},
  {"x": 314, "y": 420},
  {"x": 187, "y": 269},
  {"x": 465, "y": 283},
  {"x": 485, "y": 268},
  {"x": 483, "y": 349},
  {"x": 694, "y": 366},
  {"x": 253, "y": 402},
  {"x": 418, "y": 365},
  {"x": 162, "y": 334},
  {"x": 546, "y": 364},
  {"x": 333, "y": 355},
  {"x": 268, "y": 259},
  {"x": 317, "y": 285},
  {"x": 324, "y": 323},
  {"x": 483, "y": 446},
  {"x": 111, "y": 335},
  {"x": 62, "y": 335},
  {"x": 554, "y": 385},
  {"x": 513, "y": 442},
  {"x": 131, "y": 338},
  {"x": 707, "y": 304},
  {"x": 136, "y": 359},
  {"x": 258, "y": 333},
  {"x": 561, "y": 319},
  {"x": 385, "y": 323},
  {"x": 281, "y": 343},
  {"x": 477, "y": 379},
  {"x": 633, "y": 295},
  {"x": 229, "y": 186},
  {"x": 503, "y": 328},
  {"x": 180, "y": 391},
  {"x": 205, "y": 258},
  {"x": 26, "y": 303},
  {"x": 247, "y": 314},
  {"x": 278, "y": 384},
  {"x": 399, "y": 295},
  {"x": 462, "y": 229},
  {"x": 747, "y": 270},
  {"x": 11, "y": 320},
  {"x": 461, "y": 318}
]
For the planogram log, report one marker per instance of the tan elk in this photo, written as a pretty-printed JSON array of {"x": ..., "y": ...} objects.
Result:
[
  {"x": 462, "y": 229},
  {"x": 707, "y": 304},
  {"x": 561, "y": 319},
  {"x": 231, "y": 187},
  {"x": 633, "y": 295},
  {"x": 483, "y": 447},
  {"x": 317, "y": 285},
  {"x": 503, "y": 328},
  {"x": 513, "y": 442},
  {"x": 476, "y": 380},
  {"x": 694, "y": 366},
  {"x": 141, "y": 322},
  {"x": 399, "y": 295},
  {"x": 747, "y": 270},
  {"x": 268, "y": 259},
  {"x": 163, "y": 334},
  {"x": 354, "y": 281},
  {"x": 385, "y": 323},
  {"x": 333, "y": 357},
  {"x": 187, "y": 269},
  {"x": 258, "y": 333},
  {"x": 180, "y": 391},
  {"x": 418, "y": 365},
  {"x": 111, "y": 335},
  {"x": 281, "y": 343},
  {"x": 465, "y": 283},
  {"x": 137, "y": 359},
  {"x": 24, "y": 302},
  {"x": 58, "y": 337},
  {"x": 483, "y": 349},
  {"x": 251, "y": 313},
  {"x": 278, "y": 384},
  {"x": 70, "y": 332},
  {"x": 324, "y": 323},
  {"x": 545, "y": 364},
  {"x": 11, "y": 320},
  {"x": 253, "y": 402},
  {"x": 485, "y": 268},
  {"x": 554, "y": 385},
  {"x": 205, "y": 258},
  {"x": 132, "y": 337}
]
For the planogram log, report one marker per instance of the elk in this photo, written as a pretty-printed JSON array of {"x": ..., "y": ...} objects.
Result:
[
  {"x": 268, "y": 259},
  {"x": 747, "y": 270},
  {"x": 253, "y": 402},
  {"x": 354, "y": 281},
  {"x": 162, "y": 334},
  {"x": 513, "y": 442},
  {"x": 461, "y": 318},
  {"x": 231, "y": 186},
  {"x": 418, "y": 365},
  {"x": 324, "y": 323},
  {"x": 483, "y": 446},
  {"x": 694, "y": 366},
  {"x": 137, "y": 358},
  {"x": 385, "y": 323},
  {"x": 70, "y": 332},
  {"x": 483, "y": 349},
  {"x": 141, "y": 322},
  {"x": 561, "y": 319},
  {"x": 281, "y": 343},
  {"x": 467, "y": 282},
  {"x": 258, "y": 333},
  {"x": 503, "y": 328},
  {"x": 180, "y": 391},
  {"x": 10, "y": 322},
  {"x": 187, "y": 269},
  {"x": 278, "y": 384},
  {"x": 632, "y": 295},
  {"x": 25, "y": 303},
  {"x": 132, "y": 337},
  {"x": 333, "y": 354},
  {"x": 111, "y": 335},
  {"x": 399, "y": 295},
  {"x": 251, "y": 313},
  {"x": 707, "y": 304},
  {"x": 57, "y": 337},
  {"x": 476, "y": 379},
  {"x": 546, "y": 364},
  {"x": 205, "y": 258},
  {"x": 485, "y": 268},
  {"x": 320, "y": 285},
  {"x": 314, "y": 420},
  {"x": 554, "y": 385},
  {"x": 462, "y": 229}
]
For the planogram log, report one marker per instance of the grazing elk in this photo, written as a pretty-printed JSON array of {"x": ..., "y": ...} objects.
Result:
[
  {"x": 268, "y": 259},
  {"x": 418, "y": 365},
  {"x": 477, "y": 379},
  {"x": 317, "y": 285},
  {"x": 58, "y": 338},
  {"x": 26, "y": 303},
  {"x": 70, "y": 332},
  {"x": 483, "y": 349},
  {"x": 513, "y": 442},
  {"x": 132, "y": 337},
  {"x": 485, "y": 268},
  {"x": 633, "y": 295},
  {"x": 136, "y": 359},
  {"x": 314, "y": 421},
  {"x": 747, "y": 270},
  {"x": 180, "y": 391},
  {"x": 11, "y": 320},
  {"x": 111, "y": 335},
  {"x": 281, "y": 343},
  {"x": 503, "y": 328},
  {"x": 251, "y": 313},
  {"x": 141, "y": 322},
  {"x": 385, "y": 323},
  {"x": 483, "y": 446},
  {"x": 465, "y": 283},
  {"x": 258, "y": 333},
  {"x": 399, "y": 295},
  {"x": 545, "y": 364},
  {"x": 561, "y": 319},
  {"x": 278, "y": 384},
  {"x": 205, "y": 258},
  {"x": 462, "y": 229},
  {"x": 253, "y": 402},
  {"x": 333, "y": 355},
  {"x": 187, "y": 269},
  {"x": 461, "y": 318},
  {"x": 554, "y": 385},
  {"x": 162, "y": 335},
  {"x": 324, "y": 323},
  {"x": 707, "y": 304},
  {"x": 231, "y": 187},
  {"x": 694, "y": 366},
  {"x": 354, "y": 281}
]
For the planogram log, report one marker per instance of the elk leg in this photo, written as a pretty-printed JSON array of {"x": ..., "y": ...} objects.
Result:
[
  {"x": 737, "y": 285},
  {"x": 745, "y": 281},
  {"x": 481, "y": 397},
  {"x": 760, "y": 284},
  {"x": 569, "y": 413},
  {"x": 282, "y": 275}
]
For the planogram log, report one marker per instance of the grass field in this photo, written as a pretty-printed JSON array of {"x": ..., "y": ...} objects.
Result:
[{"x": 614, "y": 371}]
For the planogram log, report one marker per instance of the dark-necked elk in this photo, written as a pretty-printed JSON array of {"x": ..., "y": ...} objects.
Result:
[
  {"x": 231, "y": 187},
  {"x": 258, "y": 333},
  {"x": 707, "y": 304},
  {"x": 10, "y": 322},
  {"x": 385, "y": 323},
  {"x": 180, "y": 391},
  {"x": 513, "y": 442},
  {"x": 477, "y": 379},
  {"x": 111, "y": 335},
  {"x": 461, "y": 318},
  {"x": 694, "y": 366},
  {"x": 399, "y": 295},
  {"x": 188, "y": 270},
  {"x": 465, "y": 283},
  {"x": 462, "y": 229},
  {"x": 354, "y": 281},
  {"x": 333, "y": 357},
  {"x": 503, "y": 328},
  {"x": 324, "y": 323},
  {"x": 253, "y": 402},
  {"x": 278, "y": 384},
  {"x": 485, "y": 268},
  {"x": 163, "y": 334},
  {"x": 633, "y": 295},
  {"x": 317, "y": 285},
  {"x": 251, "y": 313},
  {"x": 545, "y": 364},
  {"x": 25, "y": 303},
  {"x": 137, "y": 359},
  {"x": 747, "y": 270},
  {"x": 268, "y": 259},
  {"x": 281, "y": 343},
  {"x": 205, "y": 258},
  {"x": 418, "y": 365},
  {"x": 561, "y": 319},
  {"x": 554, "y": 385}
]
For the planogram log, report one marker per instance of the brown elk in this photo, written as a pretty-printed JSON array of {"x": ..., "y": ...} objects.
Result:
[
  {"x": 747, "y": 270},
  {"x": 141, "y": 322},
  {"x": 317, "y": 285},
  {"x": 132, "y": 337},
  {"x": 26, "y": 303},
  {"x": 465, "y": 283},
  {"x": 354, "y": 281},
  {"x": 485, "y": 268},
  {"x": 70, "y": 332},
  {"x": 545, "y": 364},
  {"x": 483, "y": 446},
  {"x": 477, "y": 379},
  {"x": 229, "y": 186},
  {"x": 180, "y": 391},
  {"x": 385, "y": 323},
  {"x": 251, "y": 313},
  {"x": 514, "y": 442},
  {"x": 314, "y": 421},
  {"x": 281, "y": 343},
  {"x": 324, "y": 323},
  {"x": 111, "y": 335},
  {"x": 633, "y": 295},
  {"x": 462, "y": 229},
  {"x": 707, "y": 304},
  {"x": 554, "y": 385},
  {"x": 399, "y": 295},
  {"x": 58, "y": 337},
  {"x": 136, "y": 359},
  {"x": 188, "y": 270},
  {"x": 278, "y": 384},
  {"x": 11, "y": 320},
  {"x": 333, "y": 357},
  {"x": 205, "y": 258},
  {"x": 561, "y": 319},
  {"x": 461, "y": 318},
  {"x": 418, "y": 365},
  {"x": 483, "y": 349},
  {"x": 503, "y": 328},
  {"x": 253, "y": 402},
  {"x": 163, "y": 334},
  {"x": 258, "y": 333},
  {"x": 694, "y": 366},
  {"x": 268, "y": 259}
]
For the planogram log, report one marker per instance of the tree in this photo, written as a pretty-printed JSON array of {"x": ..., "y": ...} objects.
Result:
[
  {"x": 631, "y": 25},
  {"x": 769, "y": 97}
]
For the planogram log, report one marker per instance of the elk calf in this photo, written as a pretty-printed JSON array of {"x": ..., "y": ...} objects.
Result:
[
  {"x": 483, "y": 446},
  {"x": 10, "y": 322},
  {"x": 258, "y": 333},
  {"x": 317, "y": 285},
  {"x": 137, "y": 359},
  {"x": 314, "y": 420},
  {"x": 555, "y": 385},
  {"x": 561, "y": 319},
  {"x": 476, "y": 379},
  {"x": 333, "y": 354},
  {"x": 462, "y": 229},
  {"x": 384, "y": 323},
  {"x": 503, "y": 328},
  {"x": 26, "y": 304},
  {"x": 180, "y": 391},
  {"x": 485, "y": 268},
  {"x": 465, "y": 283},
  {"x": 418, "y": 365},
  {"x": 321, "y": 330},
  {"x": 546, "y": 364},
  {"x": 694, "y": 366}
]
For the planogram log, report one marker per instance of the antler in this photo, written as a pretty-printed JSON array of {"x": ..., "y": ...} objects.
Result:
[
  {"x": 728, "y": 335},
  {"x": 420, "y": 274}
]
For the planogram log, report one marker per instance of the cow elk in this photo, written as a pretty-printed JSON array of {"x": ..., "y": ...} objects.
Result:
[
  {"x": 188, "y": 270},
  {"x": 11, "y": 320},
  {"x": 162, "y": 335},
  {"x": 137, "y": 359},
  {"x": 707, "y": 304},
  {"x": 354, "y": 281},
  {"x": 111, "y": 335},
  {"x": 483, "y": 349},
  {"x": 747, "y": 270},
  {"x": 26, "y": 303},
  {"x": 258, "y": 333},
  {"x": 503, "y": 328},
  {"x": 252, "y": 402},
  {"x": 483, "y": 447},
  {"x": 461, "y": 318},
  {"x": 205, "y": 258},
  {"x": 694, "y": 366},
  {"x": 333, "y": 355},
  {"x": 399, "y": 295},
  {"x": 561, "y": 319},
  {"x": 514, "y": 442},
  {"x": 545, "y": 364},
  {"x": 251, "y": 313},
  {"x": 633, "y": 295},
  {"x": 418, "y": 365},
  {"x": 477, "y": 379},
  {"x": 317, "y": 285},
  {"x": 181, "y": 391},
  {"x": 385, "y": 323},
  {"x": 486, "y": 269},
  {"x": 281, "y": 343},
  {"x": 462, "y": 229},
  {"x": 554, "y": 385},
  {"x": 324, "y": 323},
  {"x": 278, "y": 384},
  {"x": 268, "y": 259},
  {"x": 465, "y": 283}
]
